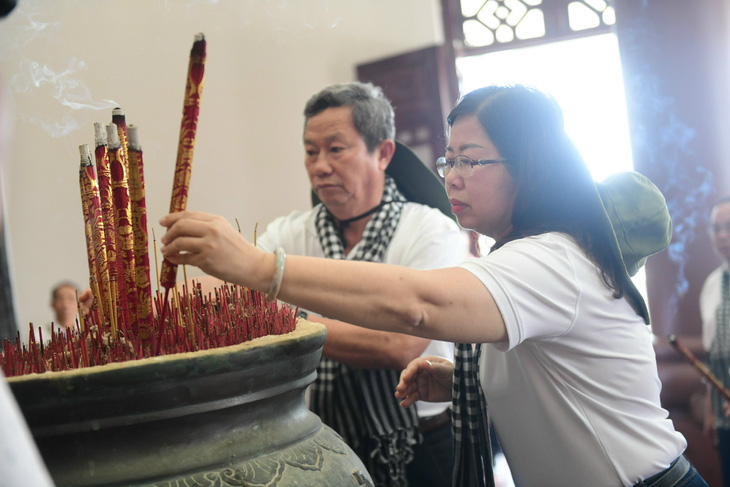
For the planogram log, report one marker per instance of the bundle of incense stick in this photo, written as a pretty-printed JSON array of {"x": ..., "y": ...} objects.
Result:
[
  {"x": 122, "y": 196},
  {"x": 234, "y": 315},
  {"x": 115, "y": 220},
  {"x": 702, "y": 368}
]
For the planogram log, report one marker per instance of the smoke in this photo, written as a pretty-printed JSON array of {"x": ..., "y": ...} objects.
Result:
[
  {"x": 686, "y": 183},
  {"x": 68, "y": 90},
  {"x": 58, "y": 92},
  {"x": 665, "y": 142},
  {"x": 63, "y": 86},
  {"x": 687, "y": 210}
]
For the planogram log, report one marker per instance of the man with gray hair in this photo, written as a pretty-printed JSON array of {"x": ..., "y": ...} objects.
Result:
[{"x": 373, "y": 201}]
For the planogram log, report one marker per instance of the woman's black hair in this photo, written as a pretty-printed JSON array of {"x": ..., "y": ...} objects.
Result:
[{"x": 555, "y": 189}]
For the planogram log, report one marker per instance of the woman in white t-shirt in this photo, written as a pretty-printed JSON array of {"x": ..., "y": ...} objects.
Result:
[{"x": 564, "y": 357}]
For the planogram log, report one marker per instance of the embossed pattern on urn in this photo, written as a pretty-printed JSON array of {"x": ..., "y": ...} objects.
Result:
[{"x": 233, "y": 416}]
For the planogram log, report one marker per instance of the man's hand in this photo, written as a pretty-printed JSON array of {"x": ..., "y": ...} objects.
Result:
[
  {"x": 86, "y": 300},
  {"x": 425, "y": 379}
]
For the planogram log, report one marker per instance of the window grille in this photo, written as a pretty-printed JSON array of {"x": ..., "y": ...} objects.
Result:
[{"x": 479, "y": 26}]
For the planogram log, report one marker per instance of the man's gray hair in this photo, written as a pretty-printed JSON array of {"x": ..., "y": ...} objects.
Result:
[{"x": 372, "y": 113}]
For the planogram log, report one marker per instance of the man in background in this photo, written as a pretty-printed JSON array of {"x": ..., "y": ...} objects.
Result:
[
  {"x": 715, "y": 311},
  {"x": 66, "y": 307},
  {"x": 64, "y": 302}
]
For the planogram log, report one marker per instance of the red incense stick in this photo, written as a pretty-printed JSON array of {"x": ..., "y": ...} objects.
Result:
[
  {"x": 186, "y": 143},
  {"x": 94, "y": 226},
  {"x": 107, "y": 212},
  {"x": 127, "y": 294},
  {"x": 139, "y": 228},
  {"x": 702, "y": 368}
]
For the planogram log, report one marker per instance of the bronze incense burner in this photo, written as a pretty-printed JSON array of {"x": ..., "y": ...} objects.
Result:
[{"x": 232, "y": 416}]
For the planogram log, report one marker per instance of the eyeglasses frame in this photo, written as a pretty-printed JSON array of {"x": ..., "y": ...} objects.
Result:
[{"x": 443, "y": 162}]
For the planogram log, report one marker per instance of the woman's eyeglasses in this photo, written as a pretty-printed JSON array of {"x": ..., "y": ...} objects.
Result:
[{"x": 464, "y": 165}]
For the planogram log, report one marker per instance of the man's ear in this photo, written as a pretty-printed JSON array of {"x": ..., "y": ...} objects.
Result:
[{"x": 385, "y": 151}]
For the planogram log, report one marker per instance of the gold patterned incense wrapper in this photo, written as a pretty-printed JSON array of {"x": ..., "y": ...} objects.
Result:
[
  {"x": 141, "y": 240},
  {"x": 186, "y": 143},
  {"x": 127, "y": 293},
  {"x": 107, "y": 214},
  {"x": 92, "y": 209}
]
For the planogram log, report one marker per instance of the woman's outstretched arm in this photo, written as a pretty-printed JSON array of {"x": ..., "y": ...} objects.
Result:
[{"x": 445, "y": 304}]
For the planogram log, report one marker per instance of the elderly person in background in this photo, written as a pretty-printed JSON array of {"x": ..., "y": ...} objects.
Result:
[
  {"x": 65, "y": 304},
  {"x": 715, "y": 311},
  {"x": 564, "y": 358}
]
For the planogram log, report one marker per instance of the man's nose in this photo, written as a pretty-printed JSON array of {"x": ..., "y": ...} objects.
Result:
[{"x": 322, "y": 164}]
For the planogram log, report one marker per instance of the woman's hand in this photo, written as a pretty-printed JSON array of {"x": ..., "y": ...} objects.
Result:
[
  {"x": 425, "y": 379},
  {"x": 209, "y": 242}
]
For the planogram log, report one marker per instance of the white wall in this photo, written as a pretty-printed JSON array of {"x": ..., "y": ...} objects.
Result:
[{"x": 65, "y": 64}]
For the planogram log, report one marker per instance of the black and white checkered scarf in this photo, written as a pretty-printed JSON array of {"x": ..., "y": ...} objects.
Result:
[
  {"x": 719, "y": 356},
  {"x": 472, "y": 450},
  {"x": 357, "y": 403}
]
